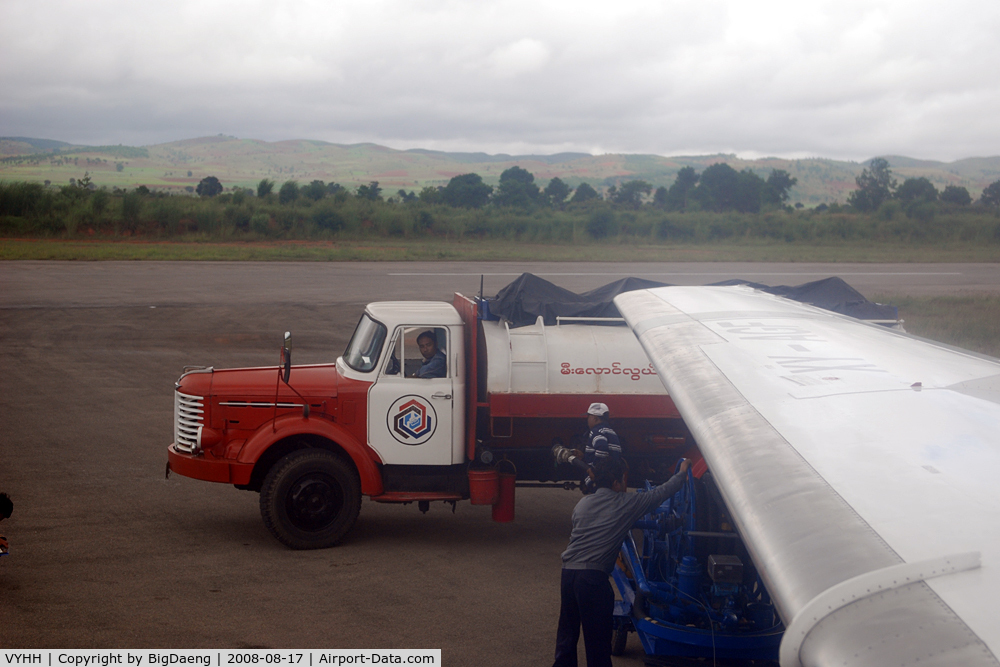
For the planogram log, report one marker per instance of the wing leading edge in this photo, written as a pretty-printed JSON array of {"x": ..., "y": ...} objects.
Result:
[{"x": 851, "y": 457}]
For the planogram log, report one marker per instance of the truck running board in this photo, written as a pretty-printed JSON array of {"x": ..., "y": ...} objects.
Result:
[{"x": 415, "y": 496}]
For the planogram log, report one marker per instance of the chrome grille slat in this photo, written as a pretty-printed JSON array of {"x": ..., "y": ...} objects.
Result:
[{"x": 188, "y": 420}]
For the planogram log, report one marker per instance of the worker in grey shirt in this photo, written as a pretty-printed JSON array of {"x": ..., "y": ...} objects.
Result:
[{"x": 600, "y": 522}]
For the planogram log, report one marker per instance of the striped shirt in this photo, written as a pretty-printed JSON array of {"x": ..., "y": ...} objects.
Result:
[{"x": 602, "y": 445}]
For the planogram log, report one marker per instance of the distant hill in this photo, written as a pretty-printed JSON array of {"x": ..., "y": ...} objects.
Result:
[
  {"x": 243, "y": 162},
  {"x": 27, "y": 145}
]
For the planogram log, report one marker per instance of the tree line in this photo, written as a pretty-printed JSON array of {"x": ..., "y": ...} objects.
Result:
[
  {"x": 719, "y": 188},
  {"x": 917, "y": 197},
  {"x": 717, "y": 204}
]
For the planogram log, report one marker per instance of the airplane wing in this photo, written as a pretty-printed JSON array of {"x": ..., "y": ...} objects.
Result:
[{"x": 861, "y": 466}]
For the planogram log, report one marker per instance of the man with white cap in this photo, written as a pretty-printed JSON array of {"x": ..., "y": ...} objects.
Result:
[{"x": 602, "y": 441}]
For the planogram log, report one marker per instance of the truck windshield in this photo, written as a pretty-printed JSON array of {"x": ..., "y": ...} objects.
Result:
[{"x": 366, "y": 345}]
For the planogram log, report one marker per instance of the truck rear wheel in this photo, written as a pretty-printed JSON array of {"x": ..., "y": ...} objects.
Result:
[{"x": 310, "y": 499}]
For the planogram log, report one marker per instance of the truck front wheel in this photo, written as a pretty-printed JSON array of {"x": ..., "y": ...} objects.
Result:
[{"x": 310, "y": 499}]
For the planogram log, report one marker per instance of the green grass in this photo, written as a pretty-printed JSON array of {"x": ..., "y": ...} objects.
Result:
[
  {"x": 969, "y": 322},
  {"x": 485, "y": 250}
]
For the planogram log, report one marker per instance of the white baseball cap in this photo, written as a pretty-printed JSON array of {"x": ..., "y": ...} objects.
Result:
[{"x": 598, "y": 409}]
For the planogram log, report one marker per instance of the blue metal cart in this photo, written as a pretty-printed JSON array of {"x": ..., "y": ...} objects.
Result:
[{"x": 688, "y": 588}]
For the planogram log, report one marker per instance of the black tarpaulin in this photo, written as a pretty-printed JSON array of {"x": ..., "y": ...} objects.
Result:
[
  {"x": 830, "y": 294},
  {"x": 522, "y": 301},
  {"x": 528, "y": 297}
]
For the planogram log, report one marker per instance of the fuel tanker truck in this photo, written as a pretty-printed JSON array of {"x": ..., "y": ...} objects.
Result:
[
  {"x": 314, "y": 439},
  {"x": 513, "y": 375}
]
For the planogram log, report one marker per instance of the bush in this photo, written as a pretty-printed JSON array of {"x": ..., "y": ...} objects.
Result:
[
  {"x": 166, "y": 213},
  {"x": 843, "y": 226},
  {"x": 889, "y": 210},
  {"x": 260, "y": 223},
  {"x": 716, "y": 230},
  {"x": 424, "y": 222},
  {"x": 131, "y": 210},
  {"x": 99, "y": 201},
  {"x": 285, "y": 217},
  {"x": 237, "y": 217},
  {"x": 633, "y": 224},
  {"x": 325, "y": 216},
  {"x": 207, "y": 219},
  {"x": 601, "y": 224},
  {"x": 669, "y": 230},
  {"x": 15, "y": 226},
  {"x": 922, "y": 211},
  {"x": 21, "y": 199}
]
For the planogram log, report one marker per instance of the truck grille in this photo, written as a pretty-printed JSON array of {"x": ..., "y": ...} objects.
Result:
[{"x": 188, "y": 421}]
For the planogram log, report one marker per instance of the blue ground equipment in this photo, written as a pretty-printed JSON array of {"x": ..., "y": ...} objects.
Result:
[{"x": 689, "y": 588}]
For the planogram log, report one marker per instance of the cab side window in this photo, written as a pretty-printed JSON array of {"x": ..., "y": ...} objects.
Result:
[{"x": 419, "y": 352}]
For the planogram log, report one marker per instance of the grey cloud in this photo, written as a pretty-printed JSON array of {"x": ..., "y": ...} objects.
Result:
[{"x": 847, "y": 79}]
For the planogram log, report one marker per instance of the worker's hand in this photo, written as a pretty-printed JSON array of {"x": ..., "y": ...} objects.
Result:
[
  {"x": 3, "y": 542},
  {"x": 685, "y": 466}
]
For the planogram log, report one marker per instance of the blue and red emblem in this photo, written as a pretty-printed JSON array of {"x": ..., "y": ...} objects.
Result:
[{"x": 411, "y": 420}]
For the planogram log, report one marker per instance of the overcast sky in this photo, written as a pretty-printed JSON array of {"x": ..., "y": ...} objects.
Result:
[{"x": 843, "y": 79}]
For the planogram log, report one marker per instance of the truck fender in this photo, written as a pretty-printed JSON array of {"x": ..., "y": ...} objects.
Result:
[{"x": 364, "y": 458}]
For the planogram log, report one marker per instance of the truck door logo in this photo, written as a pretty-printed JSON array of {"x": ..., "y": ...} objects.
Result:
[{"x": 411, "y": 420}]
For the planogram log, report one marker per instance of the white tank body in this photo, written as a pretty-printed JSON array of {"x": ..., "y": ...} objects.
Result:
[{"x": 568, "y": 358}]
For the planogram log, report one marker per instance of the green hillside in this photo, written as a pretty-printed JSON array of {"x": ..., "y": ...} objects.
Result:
[{"x": 243, "y": 162}]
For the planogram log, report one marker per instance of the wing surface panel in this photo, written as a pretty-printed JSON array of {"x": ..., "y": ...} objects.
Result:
[
  {"x": 893, "y": 628},
  {"x": 840, "y": 449}
]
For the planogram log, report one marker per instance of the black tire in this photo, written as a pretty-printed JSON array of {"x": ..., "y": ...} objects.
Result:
[
  {"x": 310, "y": 499},
  {"x": 618, "y": 639}
]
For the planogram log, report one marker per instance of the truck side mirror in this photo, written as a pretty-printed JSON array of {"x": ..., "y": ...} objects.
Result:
[{"x": 286, "y": 357}]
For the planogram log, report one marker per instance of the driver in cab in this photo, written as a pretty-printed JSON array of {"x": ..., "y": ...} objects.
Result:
[{"x": 435, "y": 363}]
